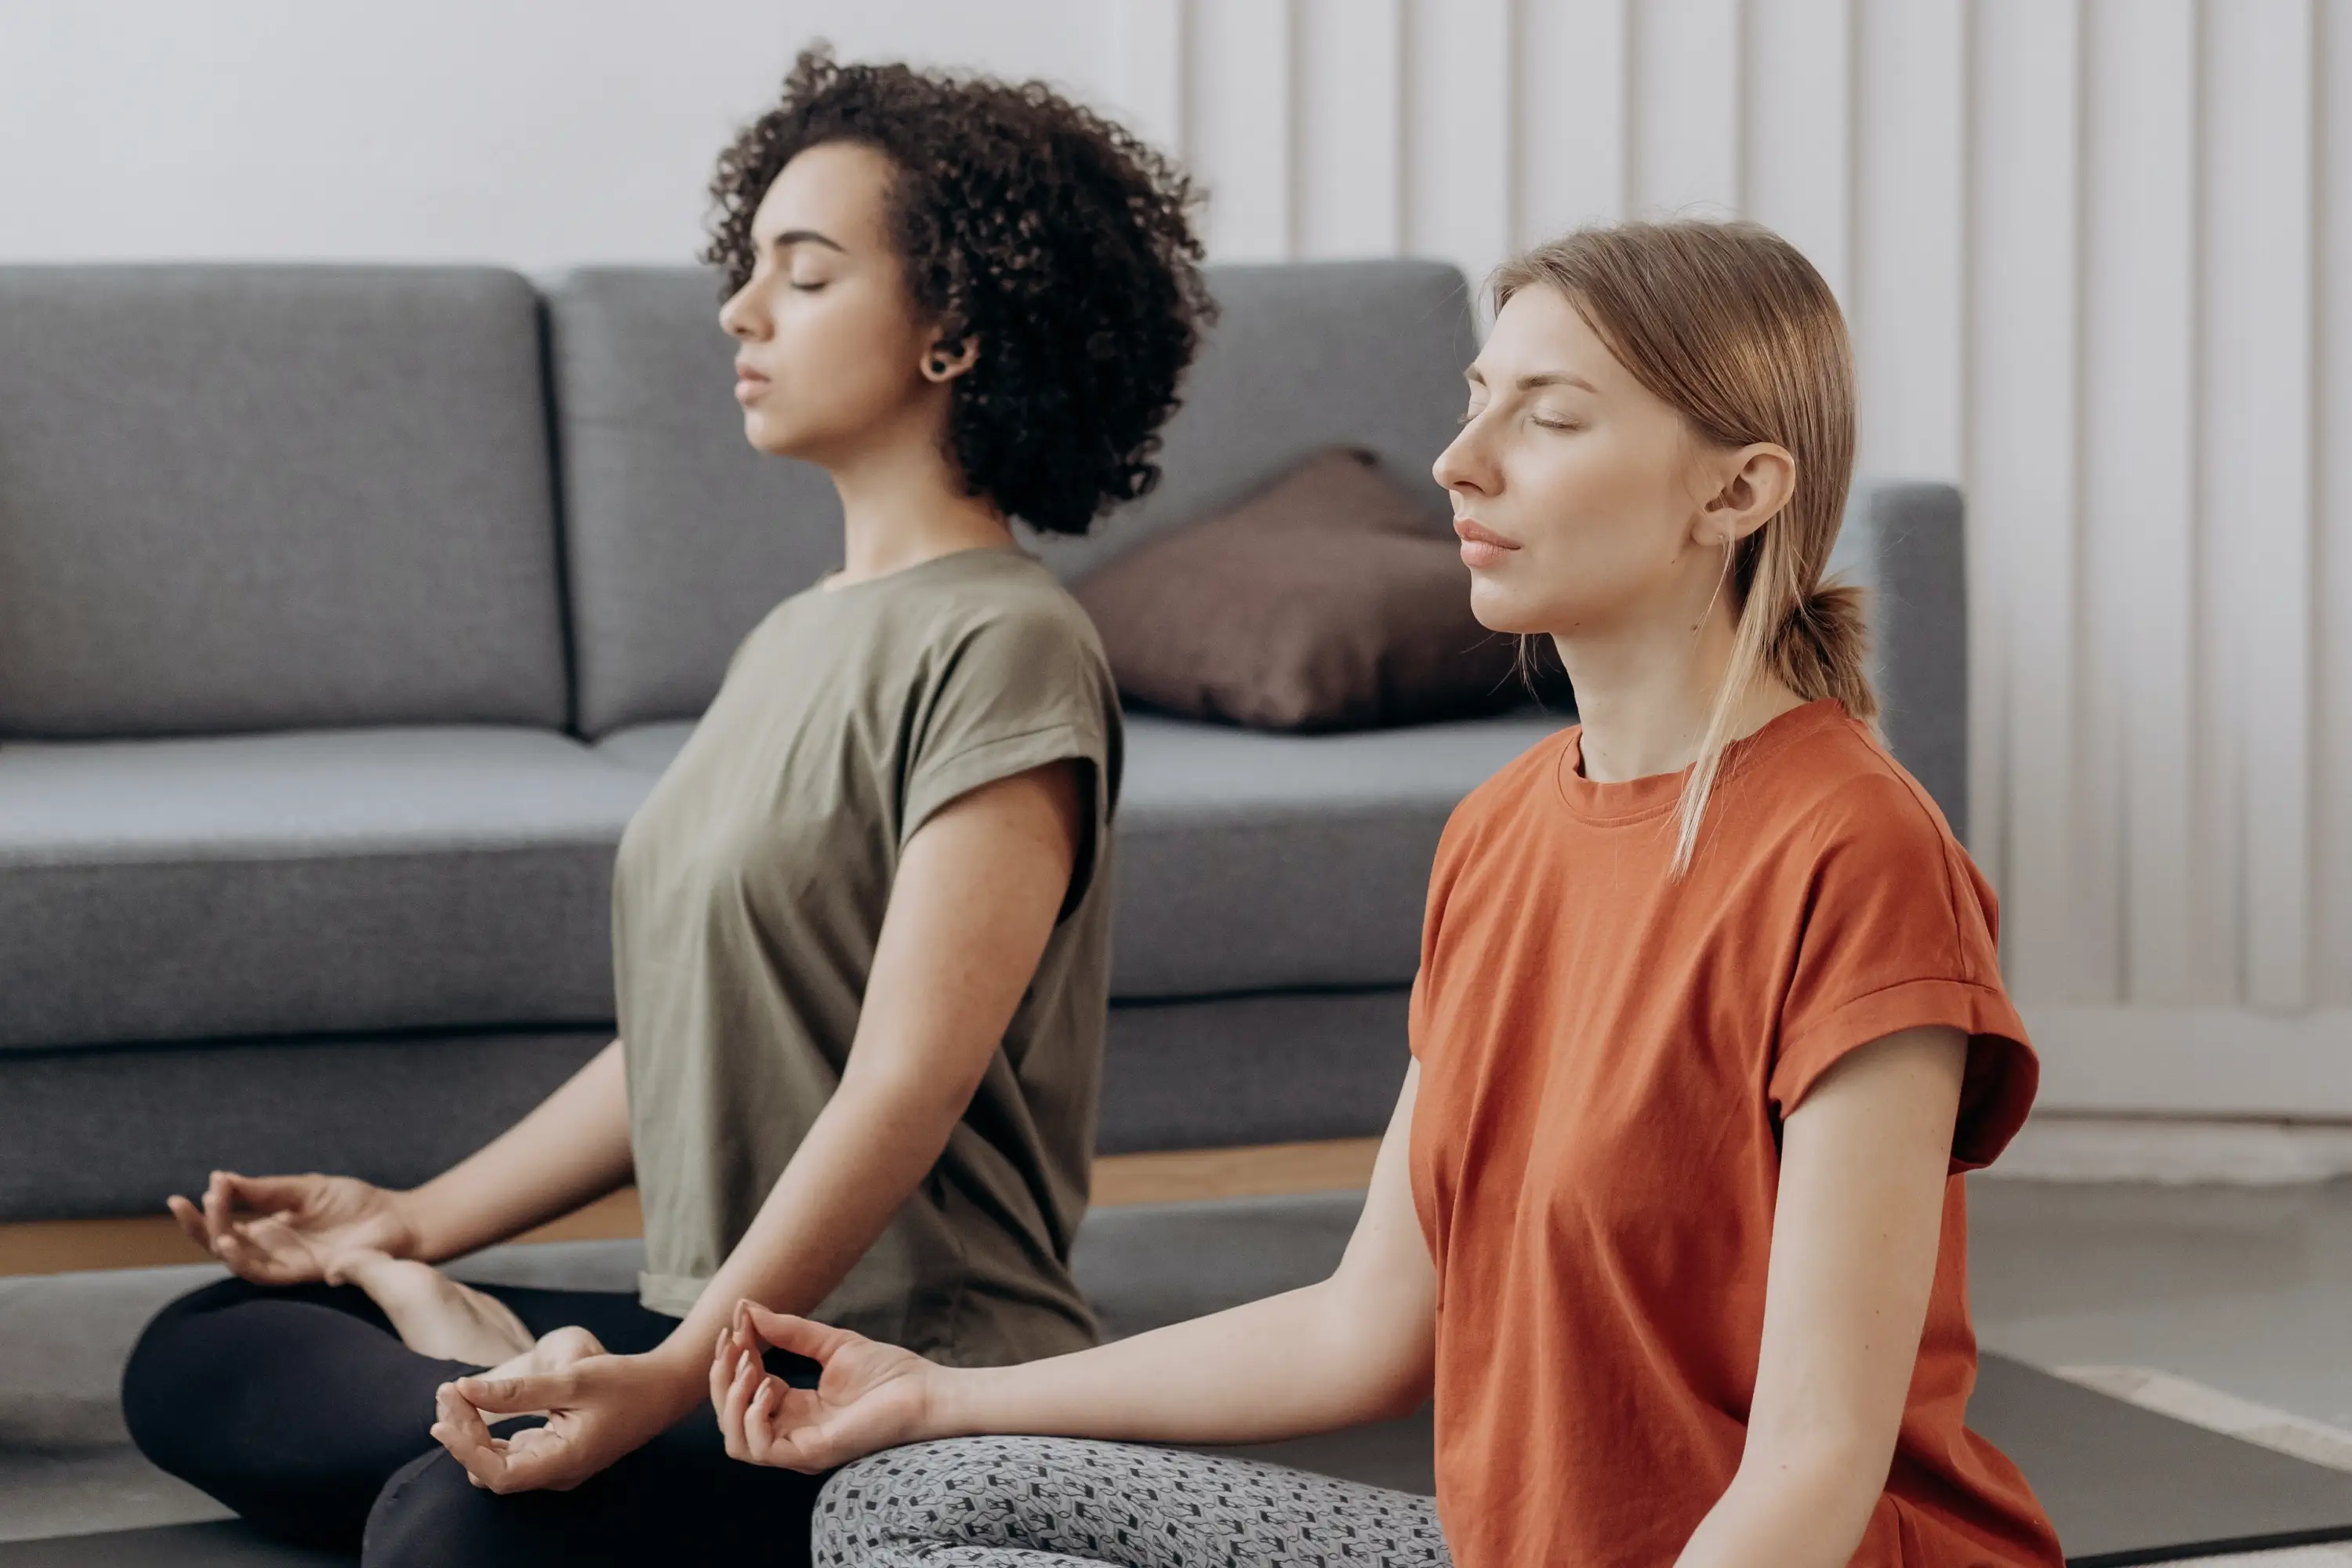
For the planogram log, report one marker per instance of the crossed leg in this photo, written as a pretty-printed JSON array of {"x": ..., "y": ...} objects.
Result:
[{"x": 1062, "y": 1502}]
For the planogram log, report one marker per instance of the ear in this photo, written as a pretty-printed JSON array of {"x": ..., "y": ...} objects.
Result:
[
  {"x": 1754, "y": 485},
  {"x": 943, "y": 362}
]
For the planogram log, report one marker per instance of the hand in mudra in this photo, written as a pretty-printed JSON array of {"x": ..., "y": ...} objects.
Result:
[
  {"x": 871, "y": 1396},
  {"x": 600, "y": 1408},
  {"x": 293, "y": 1230}
]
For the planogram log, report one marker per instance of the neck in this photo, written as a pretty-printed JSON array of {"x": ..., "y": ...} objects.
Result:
[
  {"x": 902, "y": 504},
  {"x": 1644, "y": 693}
]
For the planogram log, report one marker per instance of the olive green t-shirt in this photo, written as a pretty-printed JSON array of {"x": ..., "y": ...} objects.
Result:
[{"x": 747, "y": 903}]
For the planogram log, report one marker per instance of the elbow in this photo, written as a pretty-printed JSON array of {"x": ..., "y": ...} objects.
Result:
[
  {"x": 909, "y": 1094},
  {"x": 1391, "y": 1349},
  {"x": 1832, "y": 1475}
]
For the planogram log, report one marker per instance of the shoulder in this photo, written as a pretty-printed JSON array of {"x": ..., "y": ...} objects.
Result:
[
  {"x": 1522, "y": 779},
  {"x": 996, "y": 650},
  {"x": 1835, "y": 785},
  {"x": 1866, "y": 835},
  {"x": 1507, "y": 792},
  {"x": 1004, "y": 604}
]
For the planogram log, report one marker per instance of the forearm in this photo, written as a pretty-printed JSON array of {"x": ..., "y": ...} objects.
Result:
[
  {"x": 864, "y": 1155},
  {"x": 1798, "y": 1513},
  {"x": 1311, "y": 1359},
  {"x": 572, "y": 1148}
]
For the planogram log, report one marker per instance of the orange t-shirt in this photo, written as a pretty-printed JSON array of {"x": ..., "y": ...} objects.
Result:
[{"x": 1606, "y": 1056}]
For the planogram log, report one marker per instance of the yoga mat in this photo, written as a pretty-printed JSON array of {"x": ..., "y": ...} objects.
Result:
[
  {"x": 2124, "y": 1486},
  {"x": 226, "y": 1543}
]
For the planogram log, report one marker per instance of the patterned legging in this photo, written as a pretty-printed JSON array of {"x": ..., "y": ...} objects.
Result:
[{"x": 1047, "y": 1502}]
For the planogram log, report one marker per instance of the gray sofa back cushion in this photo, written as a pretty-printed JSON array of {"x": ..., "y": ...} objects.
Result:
[
  {"x": 681, "y": 537},
  {"x": 255, "y": 498}
]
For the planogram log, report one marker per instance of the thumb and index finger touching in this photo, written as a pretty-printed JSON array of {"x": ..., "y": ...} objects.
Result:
[
  {"x": 818, "y": 1341},
  {"x": 264, "y": 1194},
  {"x": 224, "y": 1192},
  {"x": 516, "y": 1395}
]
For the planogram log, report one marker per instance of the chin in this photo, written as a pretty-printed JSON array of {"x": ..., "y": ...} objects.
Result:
[
  {"x": 769, "y": 435},
  {"x": 1495, "y": 610}
]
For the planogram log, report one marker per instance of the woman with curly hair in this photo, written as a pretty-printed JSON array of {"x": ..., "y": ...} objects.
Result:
[{"x": 861, "y": 926}]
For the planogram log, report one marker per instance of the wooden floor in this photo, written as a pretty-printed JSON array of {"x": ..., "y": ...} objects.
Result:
[{"x": 54, "y": 1247}]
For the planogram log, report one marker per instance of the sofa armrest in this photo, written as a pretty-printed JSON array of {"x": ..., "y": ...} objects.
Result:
[{"x": 1903, "y": 543}]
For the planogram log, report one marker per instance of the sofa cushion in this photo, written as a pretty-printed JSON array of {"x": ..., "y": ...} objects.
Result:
[
  {"x": 1321, "y": 602},
  {"x": 307, "y": 882},
  {"x": 1249, "y": 861},
  {"x": 249, "y": 498},
  {"x": 681, "y": 537}
]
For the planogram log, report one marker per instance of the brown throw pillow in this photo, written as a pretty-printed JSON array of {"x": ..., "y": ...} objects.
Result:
[{"x": 1329, "y": 600}]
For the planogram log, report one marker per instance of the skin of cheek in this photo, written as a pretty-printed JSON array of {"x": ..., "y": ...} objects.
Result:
[
  {"x": 1601, "y": 523},
  {"x": 843, "y": 363}
]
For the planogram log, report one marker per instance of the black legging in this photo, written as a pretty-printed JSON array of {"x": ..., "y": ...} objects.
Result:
[{"x": 300, "y": 1409}]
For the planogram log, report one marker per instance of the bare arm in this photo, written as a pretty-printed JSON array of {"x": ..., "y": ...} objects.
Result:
[
  {"x": 972, "y": 905},
  {"x": 573, "y": 1149},
  {"x": 1355, "y": 1348},
  {"x": 286, "y": 1230},
  {"x": 1855, "y": 1231},
  {"x": 974, "y": 901}
]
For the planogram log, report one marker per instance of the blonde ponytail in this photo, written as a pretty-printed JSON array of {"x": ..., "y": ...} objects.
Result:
[{"x": 1730, "y": 325}]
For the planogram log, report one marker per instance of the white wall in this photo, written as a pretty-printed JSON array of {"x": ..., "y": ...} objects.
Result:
[
  {"x": 531, "y": 133},
  {"x": 2097, "y": 255}
]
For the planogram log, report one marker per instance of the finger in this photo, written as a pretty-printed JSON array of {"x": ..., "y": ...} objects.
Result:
[
  {"x": 750, "y": 1346},
  {"x": 818, "y": 1341},
  {"x": 739, "y": 1389},
  {"x": 216, "y": 1203},
  {"x": 235, "y": 1244},
  {"x": 269, "y": 1195},
  {"x": 722, "y": 1367},
  {"x": 230, "y": 1245},
  {"x": 760, "y": 1423},
  {"x": 191, "y": 1220},
  {"x": 462, "y": 1432},
  {"x": 513, "y": 1395},
  {"x": 542, "y": 1459},
  {"x": 727, "y": 1374}
]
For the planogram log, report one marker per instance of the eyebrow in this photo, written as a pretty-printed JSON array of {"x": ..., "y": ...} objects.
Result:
[
  {"x": 793, "y": 237},
  {"x": 1530, "y": 383}
]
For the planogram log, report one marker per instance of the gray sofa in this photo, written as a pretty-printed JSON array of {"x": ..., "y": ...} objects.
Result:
[{"x": 347, "y": 613}]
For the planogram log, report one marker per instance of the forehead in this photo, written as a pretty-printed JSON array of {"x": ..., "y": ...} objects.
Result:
[
  {"x": 1538, "y": 332},
  {"x": 837, "y": 189}
]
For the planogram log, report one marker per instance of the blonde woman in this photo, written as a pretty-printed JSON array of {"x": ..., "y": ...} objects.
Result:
[{"x": 1709, "y": 1022}]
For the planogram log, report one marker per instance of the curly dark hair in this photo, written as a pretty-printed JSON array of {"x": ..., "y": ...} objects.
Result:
[{"x": 1054, "y": 238}]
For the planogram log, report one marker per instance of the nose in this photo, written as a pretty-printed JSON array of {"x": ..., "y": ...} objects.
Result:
[
  {"x": 1464, "y": 465},
  {"x": 741, "y": 317}
]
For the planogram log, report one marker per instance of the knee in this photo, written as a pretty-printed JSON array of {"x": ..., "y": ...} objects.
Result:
[
  {"x": 174, "y": 1374},
  {"x": 431, "y": 1515},
  {"x": 964, "y": 1491}
]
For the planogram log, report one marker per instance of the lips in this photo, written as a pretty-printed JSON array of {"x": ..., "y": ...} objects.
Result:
[
  {"x": 1481, "y": 546},
  {"x": 749, "y": 382}
]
